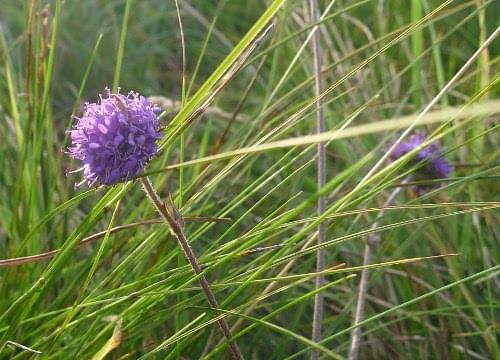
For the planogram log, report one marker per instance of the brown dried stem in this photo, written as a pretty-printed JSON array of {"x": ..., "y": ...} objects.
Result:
[
  {"x": 172, "y": 217},
  {"x": 321, "y": 177}
]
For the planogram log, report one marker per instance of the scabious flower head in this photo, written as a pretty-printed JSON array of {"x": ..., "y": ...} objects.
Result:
[
  {"x": 435, "y": 165},
  {"x": 115, "y": 137}
]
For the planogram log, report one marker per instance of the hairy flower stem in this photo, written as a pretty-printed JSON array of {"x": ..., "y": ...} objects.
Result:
[
  {"x": 321, "y": 176},
  {"x": 372, "y": 241},
  {"x": 173, "y": 218}
]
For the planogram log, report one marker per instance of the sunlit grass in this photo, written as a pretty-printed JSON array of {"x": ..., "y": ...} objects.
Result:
[{"x": 433, "y": 281}]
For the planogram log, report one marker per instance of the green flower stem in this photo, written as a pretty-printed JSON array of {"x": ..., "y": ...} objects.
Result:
[{"x": 373, "y": 239}]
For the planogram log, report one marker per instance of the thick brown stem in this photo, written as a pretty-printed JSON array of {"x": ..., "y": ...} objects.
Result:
[{"x": 172, "y": 218}]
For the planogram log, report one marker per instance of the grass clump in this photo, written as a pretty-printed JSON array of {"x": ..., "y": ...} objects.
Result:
[{"x": 238, "y": 155}]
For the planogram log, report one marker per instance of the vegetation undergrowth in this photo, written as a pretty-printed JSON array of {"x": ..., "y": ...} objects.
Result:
[{"x": 238, "y": 154}]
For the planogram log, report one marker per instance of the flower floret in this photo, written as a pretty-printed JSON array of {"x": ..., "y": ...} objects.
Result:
[
  {"x": 115, "y": 138},
  {"x": 433, "y": 164}
]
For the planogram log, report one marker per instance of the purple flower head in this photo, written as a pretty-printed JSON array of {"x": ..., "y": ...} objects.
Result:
[
  {"x": 115, "y": 137},
  {"x": 435, "y": 165}
]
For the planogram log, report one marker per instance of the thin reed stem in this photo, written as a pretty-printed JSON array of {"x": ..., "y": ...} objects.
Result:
[
  {"x": 321, "y": 178},
  {"x": 373, "y": 240},
  {"x": 173, "y": 218}
]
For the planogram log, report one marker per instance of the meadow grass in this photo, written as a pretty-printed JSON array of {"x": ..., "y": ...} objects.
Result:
[{"x": 240, "y": 92}]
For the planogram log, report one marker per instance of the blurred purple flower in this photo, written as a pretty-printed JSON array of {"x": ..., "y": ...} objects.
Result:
[
  {"x": 115, "y": 138},
  {"x": 434, "y": 164}
]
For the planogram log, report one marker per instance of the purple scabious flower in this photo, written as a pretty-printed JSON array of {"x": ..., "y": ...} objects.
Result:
[
  {"x": 434, "y": 164},
  {"x": 115, "y": 138}
]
